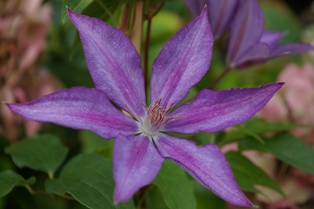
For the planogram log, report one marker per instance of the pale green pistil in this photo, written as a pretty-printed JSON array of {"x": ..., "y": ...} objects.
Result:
[{"x": 155, "y": 118}]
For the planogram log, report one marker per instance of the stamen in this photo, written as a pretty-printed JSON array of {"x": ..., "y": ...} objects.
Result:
[{"x": 156, "y": 117}]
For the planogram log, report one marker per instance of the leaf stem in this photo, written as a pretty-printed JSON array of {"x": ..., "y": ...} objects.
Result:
[
  {"x": 220, "y": 77},
  {"x": 125, "y": 17},
  {"x": 143, "y": 193},
  {"x": 50, "y": 175},
  {"x": 136, "y": 35},
  {"x": 146, "y": 54},
  {"x": 39, "y": 192},
  {"x": 31, "y": 191}
]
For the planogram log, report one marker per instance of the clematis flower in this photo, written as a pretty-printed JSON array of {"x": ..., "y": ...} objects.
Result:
[
  {"x": 249, "y": 44},
  {"x": 141, "y": 140},
  {"x": 220, "y": 13}
]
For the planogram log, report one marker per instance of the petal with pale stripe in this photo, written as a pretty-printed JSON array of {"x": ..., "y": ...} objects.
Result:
[
  {"x": 113, "y": 62},
  {"x": 78, "y": 108},
  {"x": 207, "y": 164},
  {"x": 246, "y": 30},
  {"x": 291, "y": 48},
  {"x": 136, "y": 163},
  {"x": 221, "y": 14},
  {"x": 212, "y": 111},
  {"x": 182, "y": 62}
]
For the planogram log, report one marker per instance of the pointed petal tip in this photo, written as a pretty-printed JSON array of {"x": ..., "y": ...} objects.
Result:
[
  {"x": 20, "y": 109},
  {"x": 253, "y": 206},
  {"x": 72, "y": 15},
  {"x": 13, "y": 107},
  {"x": 117, "y": 199},
  {"x": 245, "y": 203},
  {"x": 248, "y": 203},
  {"x": 120, "y": 197},
  {"x": 276, "y": 85},
  {"x": 204, "y": 13},
  {"x": 70, "y": 12},
  {"x": 272, "y": 86}
]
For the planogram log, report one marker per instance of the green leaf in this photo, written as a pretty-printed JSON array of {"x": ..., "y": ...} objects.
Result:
[
  {"x": 248, "y": 174},
  {"x": 206, "y": 199},
  {"x": 279, "y": 17},
  {"x": 91, "y": 142},
  {"x": 287, "y": 148},
  {"x": 175, "y": 187},
  {"x": 43, "y": 152},
  {"x": 292, "y": 151},
  {"x": 101, "y": 9},
  {"x": 248, "y": 187},
  {"x": 154, "y": 198},
  {"x": 9, "y": 179},
  {"x": 72, "y": 4},
  {"x": 88, "y": 178},
  {"x": 254, "y": 127}
]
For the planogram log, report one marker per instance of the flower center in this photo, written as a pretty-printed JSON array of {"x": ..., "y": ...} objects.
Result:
[{"x": 155, "y": 118}]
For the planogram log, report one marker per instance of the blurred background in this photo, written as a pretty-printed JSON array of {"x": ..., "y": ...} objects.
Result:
[{"x": 39, "y": 55}]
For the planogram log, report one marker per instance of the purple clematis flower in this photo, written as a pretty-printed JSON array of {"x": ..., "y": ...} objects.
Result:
[
  {"x": 141, "y": 143},
  {"x": 249, "y": 44},
  {"x": 220, "y": 13}
]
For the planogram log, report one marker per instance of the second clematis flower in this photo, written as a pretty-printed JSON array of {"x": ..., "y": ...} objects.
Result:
[
  {"x": 249, "y": 44},
  {"x": 116, "y": 107}
]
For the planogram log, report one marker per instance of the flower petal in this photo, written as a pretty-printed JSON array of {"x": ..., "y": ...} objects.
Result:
[
  {"x": 136, "y": 163},
  {"x": 207, "y": 164},
  {"x": 292, "y": 48},
  {"x": 78, "y": 108},
  {"x": 257, "y": 54},
  {"x": 220, "y": 15},
  {"x": 182, "y": 62},
  {"x": 246, "y": 30},
  {"x": 113, "y": 62},
  {"x": 262, "y": 52},
  {"x": 271, "y": 38},
  {"x": 212, "y": 111}
]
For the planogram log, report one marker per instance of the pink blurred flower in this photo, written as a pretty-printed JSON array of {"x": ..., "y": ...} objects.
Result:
[
  {"x": 23, "y": 28},
  {"x": 294, "y": 103}
]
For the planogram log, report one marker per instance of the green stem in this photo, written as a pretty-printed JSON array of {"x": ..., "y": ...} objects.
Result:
[
  {"x": 39, "y": 192},
  {"x": 144, "y": 193},
  {"x": 31, "y": 191},
  {"x": 220, "y": 77},
  {"x": 50, "y": 175},
  {"x": 125, "y": 17},
  {"x": 136, "y": 35},
  {"x": 146, "y": 54}
]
